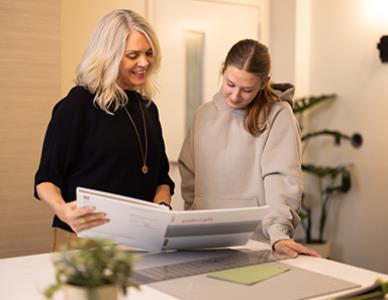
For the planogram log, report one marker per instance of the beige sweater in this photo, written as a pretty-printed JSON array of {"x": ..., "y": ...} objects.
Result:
[{"x": 223, "y": 166}]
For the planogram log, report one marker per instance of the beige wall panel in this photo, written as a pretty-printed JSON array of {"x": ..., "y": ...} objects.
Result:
[{"x": 30, "y": 85}]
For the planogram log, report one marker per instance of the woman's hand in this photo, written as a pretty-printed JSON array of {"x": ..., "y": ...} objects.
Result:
[
  {"x": 293, "y": 249},
  {"x": 163, "y": 195},
  {"x": 80, "y": 218}
]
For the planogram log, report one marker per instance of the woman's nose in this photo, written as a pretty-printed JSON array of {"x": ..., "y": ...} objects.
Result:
[
  {"x": 143, "y": 61},
  {"x": 235, "y": 94}
]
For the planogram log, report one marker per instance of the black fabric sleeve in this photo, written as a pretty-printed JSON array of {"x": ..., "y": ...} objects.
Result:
[
  {"x": 62, "y": 138},
  {"x": 164, "y": 177}
]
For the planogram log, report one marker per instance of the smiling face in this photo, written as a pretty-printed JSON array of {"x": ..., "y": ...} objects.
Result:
[
  {"x": 240, "y": 87},
  {"x": 136, "y": 62}
]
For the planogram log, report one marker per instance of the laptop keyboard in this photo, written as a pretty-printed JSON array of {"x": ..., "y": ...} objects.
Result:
[{"x": 225, "y": 260}]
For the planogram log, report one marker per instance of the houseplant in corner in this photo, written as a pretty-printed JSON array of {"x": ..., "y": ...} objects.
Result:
[
  {"x": 97, "y": 270},
  {"x": 330, "y": 180}
]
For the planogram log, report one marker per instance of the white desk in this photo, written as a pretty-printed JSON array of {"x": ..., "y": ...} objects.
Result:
[{"x": 23, "y": 278}]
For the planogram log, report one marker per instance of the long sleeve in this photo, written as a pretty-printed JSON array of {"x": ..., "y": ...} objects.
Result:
[
  {"x": 164, "y": 177},
  {"x": 186, "y": 169},
  {"x": 61, "y": 142},
  {"x": 282, "y": 175}
]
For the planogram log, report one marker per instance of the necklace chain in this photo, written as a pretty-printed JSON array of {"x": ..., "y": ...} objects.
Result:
[{"x": 143, "y": 151}]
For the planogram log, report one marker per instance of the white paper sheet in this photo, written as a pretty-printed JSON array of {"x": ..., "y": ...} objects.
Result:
[
  {"x": 130, "y": 219},
  {"x": 142, "y": 224}
]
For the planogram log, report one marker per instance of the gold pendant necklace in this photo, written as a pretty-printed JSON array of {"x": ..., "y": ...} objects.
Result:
[{"x": 143, "y": 151}]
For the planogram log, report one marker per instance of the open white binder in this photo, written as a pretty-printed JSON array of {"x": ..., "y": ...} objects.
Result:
[{"x": 150, "y": 226}]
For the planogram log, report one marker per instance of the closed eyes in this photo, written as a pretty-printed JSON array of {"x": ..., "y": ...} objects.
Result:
[
  {"x": 136, "y": 54},
  {"x": 245, "y": 90}
]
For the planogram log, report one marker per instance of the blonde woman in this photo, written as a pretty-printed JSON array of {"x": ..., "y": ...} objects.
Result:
[
  {"x": 243, "y": 148},
  {"x": 105, "y": 134}
]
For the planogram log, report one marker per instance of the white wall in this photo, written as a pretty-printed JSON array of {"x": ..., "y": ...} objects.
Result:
[
  {"x": 344, "y": 60},
  {"x": 282, "y": 40}
]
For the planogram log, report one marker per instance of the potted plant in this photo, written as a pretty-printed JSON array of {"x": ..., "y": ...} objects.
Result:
[
  {"x": 97, "y": 270},
  {"x": 331, "y": 180}
]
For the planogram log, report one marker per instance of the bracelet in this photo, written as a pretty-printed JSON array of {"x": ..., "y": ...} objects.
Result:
[{"x": 165, "y": 204}]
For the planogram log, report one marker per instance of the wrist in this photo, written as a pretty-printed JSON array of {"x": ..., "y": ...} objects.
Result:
[{"x": 60, "y": 211}]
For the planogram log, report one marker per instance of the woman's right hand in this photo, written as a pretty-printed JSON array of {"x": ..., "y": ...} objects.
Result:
[{"x": 80, "y": 218}]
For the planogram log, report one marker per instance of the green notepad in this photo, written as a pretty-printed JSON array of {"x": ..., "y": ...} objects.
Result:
[{"x": 250, "y": 274}]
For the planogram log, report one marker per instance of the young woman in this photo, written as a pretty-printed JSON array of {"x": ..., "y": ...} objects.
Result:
[
  {"x": 243, "y": 148},
  {"x": 105, "y": 134}
]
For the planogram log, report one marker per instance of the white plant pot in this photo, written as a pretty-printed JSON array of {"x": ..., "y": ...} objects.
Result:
[{"x": 105, "y": 292}]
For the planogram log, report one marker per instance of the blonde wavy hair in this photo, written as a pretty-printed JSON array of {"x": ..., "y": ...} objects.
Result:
[
  {"x": 99, "y": 66},
  {"x": 253, "y": 57}
]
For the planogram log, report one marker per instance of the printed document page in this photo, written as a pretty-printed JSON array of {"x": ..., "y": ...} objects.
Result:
[
  {"x": 133, "y": 222},
  {"x": 150, "y": 226},
  {"x": 212, "y": 228}
]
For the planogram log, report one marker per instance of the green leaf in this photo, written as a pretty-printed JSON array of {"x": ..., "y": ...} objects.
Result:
[
  {"x": 94, "y": 263},
  {"x": 302, "y": 104}
]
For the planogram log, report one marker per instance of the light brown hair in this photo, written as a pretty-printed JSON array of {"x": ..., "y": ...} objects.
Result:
[{"x": 253, "y": 57}]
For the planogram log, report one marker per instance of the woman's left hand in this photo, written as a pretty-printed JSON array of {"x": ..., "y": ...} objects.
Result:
[
  {"x": 293, "y": 249},
  {"x": 163, "y": 195}
]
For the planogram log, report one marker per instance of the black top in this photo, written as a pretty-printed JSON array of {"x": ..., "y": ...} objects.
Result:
[{"x": 84, "y": 146}]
